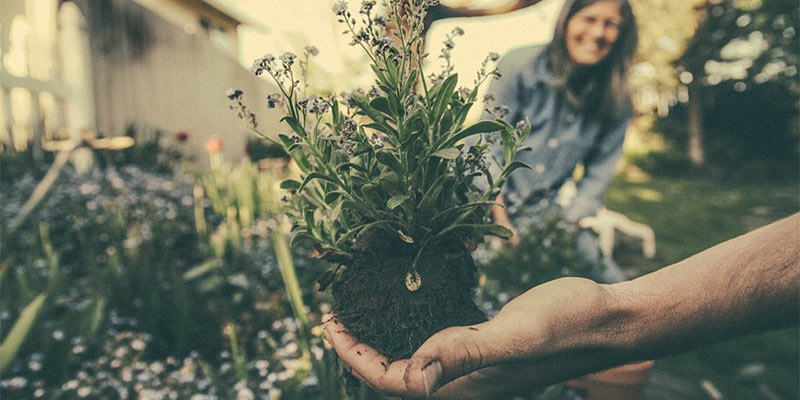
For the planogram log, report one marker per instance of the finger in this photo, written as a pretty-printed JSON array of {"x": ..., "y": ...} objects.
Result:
[
  {"x": 366, "y": 363},
  {"x": 447, "y": 355},
  {"x": 500, "y": 381}
]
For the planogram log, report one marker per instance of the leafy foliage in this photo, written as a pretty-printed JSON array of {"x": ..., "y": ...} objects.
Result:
[
  {"x": 547, "y": 250},
  {"x": 392, "y": 158}
]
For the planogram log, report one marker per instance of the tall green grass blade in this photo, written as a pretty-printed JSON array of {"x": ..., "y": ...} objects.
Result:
[
  {"x": 19, "y": 332},
  {"x": 239, "y": 358}
]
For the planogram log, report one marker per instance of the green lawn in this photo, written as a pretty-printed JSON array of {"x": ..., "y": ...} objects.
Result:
[{"x": 692, "y": 214}]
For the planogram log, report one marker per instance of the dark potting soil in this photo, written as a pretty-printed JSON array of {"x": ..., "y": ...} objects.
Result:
[{"x": 377, "y": 308}]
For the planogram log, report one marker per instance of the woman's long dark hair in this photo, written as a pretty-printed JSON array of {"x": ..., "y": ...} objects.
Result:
[{"x": 610, "y": 76}]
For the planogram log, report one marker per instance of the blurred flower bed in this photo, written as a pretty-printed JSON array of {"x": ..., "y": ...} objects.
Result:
[
  {"x": 143, "y": 279},
  {"x": 136, "y": 281}
]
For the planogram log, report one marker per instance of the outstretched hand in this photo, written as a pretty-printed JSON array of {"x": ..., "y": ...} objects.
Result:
[
  {"x": 571, "y": 326},
  {"x": 504, "y": 356}
]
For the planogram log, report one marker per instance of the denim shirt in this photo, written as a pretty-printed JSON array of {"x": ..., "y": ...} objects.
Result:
[{"x": 561, "y": 137}]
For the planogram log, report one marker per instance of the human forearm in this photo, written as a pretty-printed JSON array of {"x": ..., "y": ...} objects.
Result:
[
  {"x": 745, "y": 285},
  {"x": 571, "y": 326}
]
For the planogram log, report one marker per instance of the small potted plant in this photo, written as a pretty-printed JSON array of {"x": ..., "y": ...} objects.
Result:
[{"x": 389, "y": 193}]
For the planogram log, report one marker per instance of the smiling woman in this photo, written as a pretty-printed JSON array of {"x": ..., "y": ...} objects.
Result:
[
  {"x": 574, "y": 92},
  {"x": 592, "y": 32}
]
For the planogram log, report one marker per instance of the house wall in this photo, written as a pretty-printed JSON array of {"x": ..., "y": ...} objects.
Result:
[{"x": 156, "y": 76}]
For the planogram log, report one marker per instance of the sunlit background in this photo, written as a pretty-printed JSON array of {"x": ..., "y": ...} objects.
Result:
[{"x": 139, "y": 220}]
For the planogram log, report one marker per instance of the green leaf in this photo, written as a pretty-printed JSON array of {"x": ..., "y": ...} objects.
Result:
[
  {"x": 347, "y": 165},
  {"x": 93, "y": 317},
  {"x": 334, "y": 215},
  {"x": 308, "y": 218},
  {"x": 316, "y": 175},
  {"x": 386, "y": 158},
  {"x": 296, "y": 127},
  {"x": 373, "y": 225},
  {"x": 382, "y": 127},
  {"x": 354, "y": 205},
  {"x": 513, "y": 166},
  {"x": 330, "y": 197},
  {"x": 300, "y": 235},
  {"x": 285, "y": 140},
  {"x": 412, "y": 78},
  {"x": 443, "y": 96},
  {"x": 483, "y": 229},
  {"x": 211, "y": 284},
  {"x": 448, "y": 154},
  {"x": 370, "y": 192},
  {"x": 462, "y": 207},
  {"x": 508, "y": 144},
  {"x": 335, "y": 112},
  {"x": 446, "y": 123},
  {"x": 479, "y": 127},
  {"x": 19, "y": 332},
  {"x": 202, "y": 269},
  {"x": 298, "y": 155},
  {"x": 396, "y": 200},
  {"x": 461, "y": 113},
  {"x": 381, "y": 104},
  {"x": 362, "y": 102},
  {"x": 379, "y": 74},
  {"x": 404, "y": 237},
  {"x": 290, "y": 184}
]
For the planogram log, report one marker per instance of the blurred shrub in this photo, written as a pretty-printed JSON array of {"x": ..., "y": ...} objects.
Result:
[
  {"x": 259, "y": 149},
  {"x": 547, "y": 251},
  {"x": 155, "y": 151},
  {"x": 667, "y": 163},
  {"x": 752, "y": 134},
  {"x": 182, "y": 261}
]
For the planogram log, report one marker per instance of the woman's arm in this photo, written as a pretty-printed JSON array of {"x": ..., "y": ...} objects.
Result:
[
  {"x": 570, "y": 326},
  {"x": 500, "y": 217}
]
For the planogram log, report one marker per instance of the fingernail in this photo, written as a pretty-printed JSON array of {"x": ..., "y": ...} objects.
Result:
[{"x": 431, "y": 374}]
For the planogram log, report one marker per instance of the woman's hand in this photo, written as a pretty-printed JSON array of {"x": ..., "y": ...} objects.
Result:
[
  {"x": 506, "y": 355},
  {"x": 500, "y": 217}
]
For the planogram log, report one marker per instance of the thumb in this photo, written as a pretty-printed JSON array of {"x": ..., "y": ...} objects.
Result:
[{"x": 447, "y": 355}]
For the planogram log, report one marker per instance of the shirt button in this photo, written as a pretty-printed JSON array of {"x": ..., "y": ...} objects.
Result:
[
  {"x": 539, "y": 168},
  {"x": 552, "y": 143},
  {"x": 569, "y": 118}
]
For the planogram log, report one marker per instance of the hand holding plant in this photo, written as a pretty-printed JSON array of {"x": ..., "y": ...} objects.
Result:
[{"x": 389, "y": 189}]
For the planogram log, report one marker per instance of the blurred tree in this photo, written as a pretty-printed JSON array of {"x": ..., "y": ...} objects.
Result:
[
  {"x": 742, "y": 47},
  {"x": 665, "y": 29}
]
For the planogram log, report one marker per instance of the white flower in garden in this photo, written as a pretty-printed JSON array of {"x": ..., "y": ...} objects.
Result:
[
  {"x": 34, "y": 365},
  {"x": 138, "y": 344},
  {"x": 17, "y": 382},
  {"x": 245, "y": 394},
  {"x": 126, "y": 374},
  {"x": 70, "y": 385},
  {"x": 239, "y": 280},
  {"x": 311, "y": 380}
]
